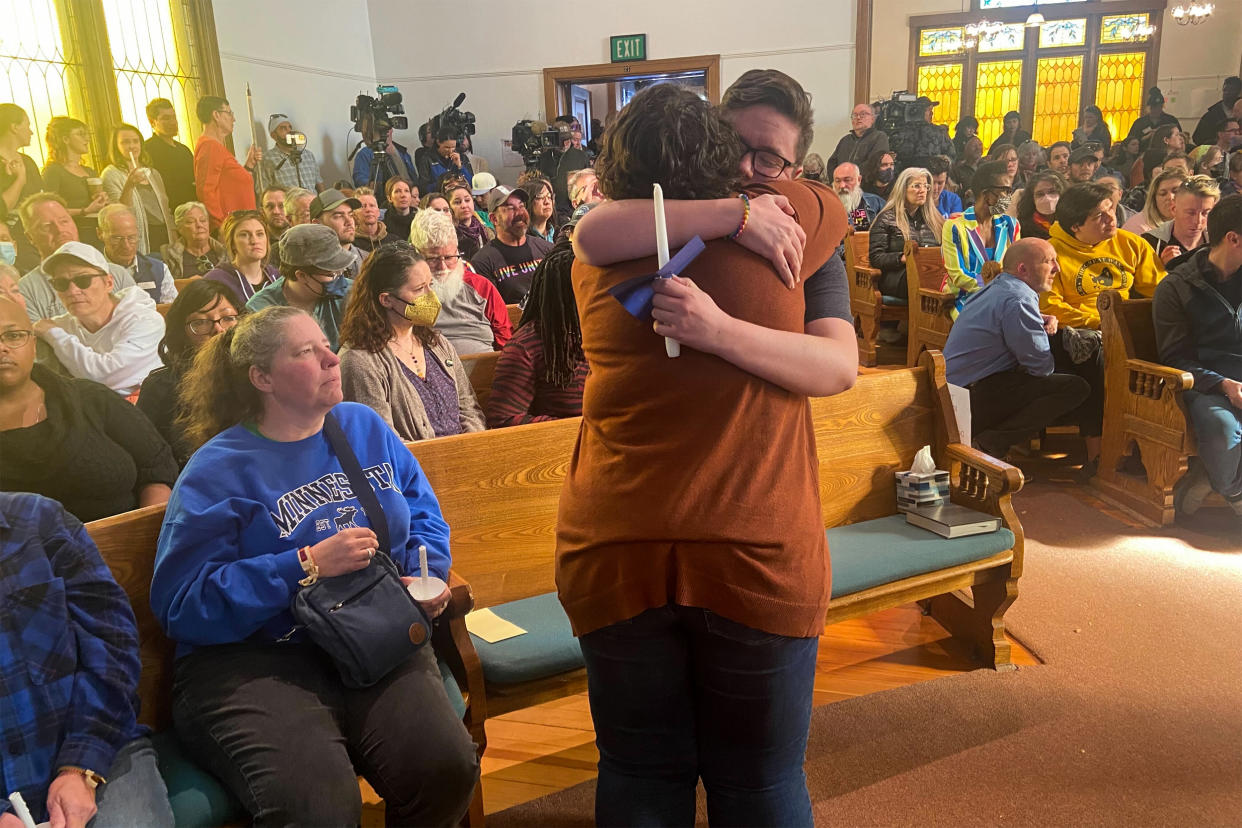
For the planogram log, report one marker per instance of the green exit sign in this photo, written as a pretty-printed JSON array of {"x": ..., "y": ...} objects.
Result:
[{"x": 628, "y": 47}]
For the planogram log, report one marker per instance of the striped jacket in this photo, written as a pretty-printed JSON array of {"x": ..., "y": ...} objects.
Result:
[{"x": 965, "y": 254}]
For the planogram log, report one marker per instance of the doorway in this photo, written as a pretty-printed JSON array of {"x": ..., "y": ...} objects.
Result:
[{"x": 597, "y": 92}]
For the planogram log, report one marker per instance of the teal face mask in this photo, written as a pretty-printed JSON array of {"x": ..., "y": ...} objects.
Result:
[{"x": 8, "y": 252}]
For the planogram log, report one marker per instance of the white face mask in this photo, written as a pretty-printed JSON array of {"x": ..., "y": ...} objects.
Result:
[
  {"x": 8, "y": 252},
  {"x": 1047, "y": 205}
]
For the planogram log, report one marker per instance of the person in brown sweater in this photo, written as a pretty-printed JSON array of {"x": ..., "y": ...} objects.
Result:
[{"x": 691, "y": 556}]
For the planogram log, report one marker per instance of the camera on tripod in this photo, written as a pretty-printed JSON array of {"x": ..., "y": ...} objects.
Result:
[
  {"x": 535, "y": 140},
  {"x": 384, "y": 113}
]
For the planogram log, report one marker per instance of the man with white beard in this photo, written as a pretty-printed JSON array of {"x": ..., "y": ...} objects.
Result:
[
  {"x": 860, "y": 208},
  {"x": 473, "y": 316}
]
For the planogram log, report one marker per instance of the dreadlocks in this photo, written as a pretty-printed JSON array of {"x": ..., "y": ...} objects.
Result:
[{"x": 551, "y": 308}]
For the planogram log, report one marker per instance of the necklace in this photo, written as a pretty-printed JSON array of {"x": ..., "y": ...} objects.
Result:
[{"x": 414, "y": 353}]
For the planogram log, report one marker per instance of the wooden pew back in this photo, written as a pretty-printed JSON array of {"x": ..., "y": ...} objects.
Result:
[
  {"x": 499, "y": 489},
  {"x": 481, "y": 368},
  {"x": 127, "y": 543},
  {"x": 929, "y": 303},
  {"x": 515, "y": 316}
]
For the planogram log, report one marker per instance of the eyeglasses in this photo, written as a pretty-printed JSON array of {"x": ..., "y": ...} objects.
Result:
[
  {"x": 61, "y": 284},
  {"x": 206, "y": 326},
  {"x": 439, "y": 261},
  {"x": 767, "y": 164},
  {"x": 15, "y": 339}
]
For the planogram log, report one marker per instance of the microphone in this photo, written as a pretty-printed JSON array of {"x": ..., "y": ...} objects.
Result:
[{"x": 459, "y": 100}]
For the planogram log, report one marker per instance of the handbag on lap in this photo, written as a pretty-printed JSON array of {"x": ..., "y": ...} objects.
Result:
[{"x": 365, "y": 620}]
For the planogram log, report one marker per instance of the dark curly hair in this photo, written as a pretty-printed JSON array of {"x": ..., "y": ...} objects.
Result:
[
  {"x": 365, "y": 326},
  {"x": 670, "y": 136},
  {"x": 200, "y": 295}
]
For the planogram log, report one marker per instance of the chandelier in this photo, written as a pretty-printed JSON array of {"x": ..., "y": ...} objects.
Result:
[{"x": 1194, "y": 14}]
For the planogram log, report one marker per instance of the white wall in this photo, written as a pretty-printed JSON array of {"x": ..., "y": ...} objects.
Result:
[
  {"x": 1193, "y": 59},
  {"x": 308, "y": 60},
  {"x": 812, "y": 40}
]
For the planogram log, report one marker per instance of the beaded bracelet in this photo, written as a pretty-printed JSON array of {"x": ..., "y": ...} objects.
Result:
[{"x": 745, "y": 216}]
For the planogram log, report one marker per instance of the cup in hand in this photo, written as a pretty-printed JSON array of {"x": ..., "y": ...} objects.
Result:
[{"x": 94, "y": 186}]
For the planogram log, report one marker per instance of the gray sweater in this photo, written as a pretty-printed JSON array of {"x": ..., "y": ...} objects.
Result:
[{"x": 376, "y": 380}]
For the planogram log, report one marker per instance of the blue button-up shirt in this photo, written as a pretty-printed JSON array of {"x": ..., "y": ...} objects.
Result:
[
  {"x": 999, "y": 329},
  {"x": 69, "y": 663}
]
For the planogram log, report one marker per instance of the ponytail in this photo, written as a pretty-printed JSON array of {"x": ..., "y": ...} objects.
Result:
[{"x": 216, "y": 393}]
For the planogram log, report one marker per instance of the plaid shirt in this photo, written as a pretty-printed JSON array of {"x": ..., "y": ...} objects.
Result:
[
  {"x": 69, "y": 661},
  {"x": 279, "y": 170}
]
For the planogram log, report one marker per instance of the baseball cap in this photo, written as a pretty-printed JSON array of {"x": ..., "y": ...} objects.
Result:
[
  {"x": 482, "y": 183},
  {"x": 1082, "y": 154},
  {"x": 501, "y": 194},
  {"x": 1154, "y": 95},
  {"x": 330, "y": 200},
  {"x": 79, "y": 251},
  {"x": 276, "y": 120},
  {"x": 313, "y": 245}
]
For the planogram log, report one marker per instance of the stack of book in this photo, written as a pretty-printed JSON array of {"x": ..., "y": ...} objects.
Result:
[
  {"x": 952, "y": 520},
  {"x": 922, "y": 489}
]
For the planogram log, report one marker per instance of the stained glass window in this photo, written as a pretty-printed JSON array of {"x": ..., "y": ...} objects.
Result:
[
  {"x": 1058, "y": 89},
  {"x": 998, "y": 90},
  {"x": 1122, "y": 28},
  {"x": 153, "y": 49},
  {"x": 1010, "y": 4},
  {"x": 1119, "y": 90},
  {"x": 37, "y": 72},
  {"x": 943, "y": 82},
  {"x": 1056, "y": 33},
  {"x": 149, "y": 62},
  {"x": 940, "y": 41},
  {"x": 1003, "y": 38}
]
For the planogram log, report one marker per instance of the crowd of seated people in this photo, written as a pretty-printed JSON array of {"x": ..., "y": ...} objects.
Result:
[{"x": 112, "y": 380}]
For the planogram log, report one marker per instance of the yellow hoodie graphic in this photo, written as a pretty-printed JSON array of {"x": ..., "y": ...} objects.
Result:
[{"x": 1123, "y": 262}]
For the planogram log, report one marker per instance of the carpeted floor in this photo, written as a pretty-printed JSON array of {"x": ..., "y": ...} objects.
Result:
[{"x": 1135, "y": 718}]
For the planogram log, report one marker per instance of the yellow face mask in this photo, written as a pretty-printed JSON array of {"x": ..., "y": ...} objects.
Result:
[{"x": 423, "y": 311}]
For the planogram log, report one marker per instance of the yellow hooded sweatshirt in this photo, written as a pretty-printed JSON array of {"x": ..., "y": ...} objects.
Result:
[{"x": 1123, "y": 262}]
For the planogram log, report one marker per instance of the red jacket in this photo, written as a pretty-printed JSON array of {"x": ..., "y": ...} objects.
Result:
[{"x": 496, "y": 309}]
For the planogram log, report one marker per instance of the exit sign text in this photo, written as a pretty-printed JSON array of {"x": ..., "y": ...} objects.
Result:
[{"x": 628, "y": 47}]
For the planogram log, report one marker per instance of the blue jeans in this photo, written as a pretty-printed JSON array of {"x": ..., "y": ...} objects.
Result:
[
  {"x": 678, "y": 693},
  {"x": 1218, "y": 430},
  {"x": 135, "y": 792}
]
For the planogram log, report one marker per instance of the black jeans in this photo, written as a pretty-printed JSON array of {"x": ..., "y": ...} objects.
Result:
[
  {"x": 1089, "y": 417},
  {"x": 277, "y": 726},
  {"x": 679, "y": 693},
  {"x": 1010, "y": 406}
]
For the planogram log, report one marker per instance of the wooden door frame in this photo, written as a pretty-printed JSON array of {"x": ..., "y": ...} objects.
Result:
[{"x": 612, "y": 72}]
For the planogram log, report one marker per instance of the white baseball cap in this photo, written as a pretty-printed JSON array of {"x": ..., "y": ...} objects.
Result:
[
  {"x": 80, "y": 251},
  {"x": 482, "y": 183}
]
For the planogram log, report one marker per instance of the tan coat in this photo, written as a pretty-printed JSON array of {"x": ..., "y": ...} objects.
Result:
[{"x": 377, "y": 380}]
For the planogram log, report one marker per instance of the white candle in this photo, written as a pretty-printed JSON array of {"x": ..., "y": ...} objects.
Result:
[{"x": 671, "y": 346}]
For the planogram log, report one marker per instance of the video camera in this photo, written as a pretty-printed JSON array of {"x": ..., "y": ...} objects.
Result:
[
  {"x": 385, "y": 112},
  {"x": 893, "y": 115},
  {"x": 452, "y": 117},
  {"x": 535, "y": 140}
]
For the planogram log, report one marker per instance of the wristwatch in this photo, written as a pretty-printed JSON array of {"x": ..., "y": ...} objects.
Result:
[{"x": 93, "y": 779}]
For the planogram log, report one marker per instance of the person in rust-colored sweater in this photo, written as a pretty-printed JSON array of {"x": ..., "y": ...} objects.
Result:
[
  {"x": 691, "y": 556},
  {"x": 223, "y": 184}
]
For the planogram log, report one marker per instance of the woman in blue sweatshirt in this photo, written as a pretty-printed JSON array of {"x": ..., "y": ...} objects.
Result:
[{"x": 261, "y": 506}]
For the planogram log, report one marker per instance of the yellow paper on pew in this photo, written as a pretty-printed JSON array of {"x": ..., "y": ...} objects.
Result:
[{"x": 490, "y": 627}]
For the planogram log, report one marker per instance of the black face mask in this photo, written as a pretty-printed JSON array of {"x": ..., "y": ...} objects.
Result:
[{"x": 886, "y": 176}]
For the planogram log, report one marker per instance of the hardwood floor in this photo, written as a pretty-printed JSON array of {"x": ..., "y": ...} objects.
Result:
[{"x": 544, "y": 749}]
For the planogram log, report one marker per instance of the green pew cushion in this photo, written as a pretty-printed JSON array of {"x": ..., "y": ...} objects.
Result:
[
  {"x": 197, "y": 797},
  {"x": 888, "y": 549},
  {"x": 547, "y": 649},
  {"x": 450, "y": 687}
]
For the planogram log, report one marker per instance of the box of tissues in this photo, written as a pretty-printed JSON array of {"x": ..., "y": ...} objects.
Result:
[{"x": 923, "y": 485}]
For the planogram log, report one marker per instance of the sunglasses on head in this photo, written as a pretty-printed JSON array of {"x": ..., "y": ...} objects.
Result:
[{"x": 60, "y": 284}]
